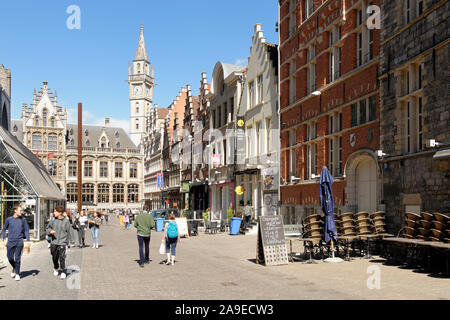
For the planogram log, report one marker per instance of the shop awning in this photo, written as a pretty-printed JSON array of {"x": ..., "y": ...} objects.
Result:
[{"x": 21, "y": 162}]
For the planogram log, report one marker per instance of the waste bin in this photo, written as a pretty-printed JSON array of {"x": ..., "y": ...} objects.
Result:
[
  {"x": 159, "y": 224},
  {"x": 235, "y": 226}
]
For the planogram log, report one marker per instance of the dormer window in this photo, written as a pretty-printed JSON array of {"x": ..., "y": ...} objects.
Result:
[
  {"x": 71, "y": 132},
  {"x": 36, "y": 121},
  {"x": 52, "y": 122},
  {"x": 15, "y": 128},
  {"x": 118, "y": 145},
  {"x": 116, "y": 134},
  {"x": 86, "y": 133},
  {"x": 88, "y": 143}
]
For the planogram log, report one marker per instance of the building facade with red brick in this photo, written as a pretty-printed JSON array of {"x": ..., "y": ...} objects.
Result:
[{"x": 329, "y": 105}]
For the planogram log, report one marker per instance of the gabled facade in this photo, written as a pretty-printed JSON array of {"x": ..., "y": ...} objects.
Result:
[
  {"x": 112, "y": 165},
  {"x": 171, "y": 195},
  {"x": 258, "y": 174},
  {"x": 226, "y": 91}
]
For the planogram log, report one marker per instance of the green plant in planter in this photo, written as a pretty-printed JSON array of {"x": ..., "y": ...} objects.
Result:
[
  {"x": 186, "y": 213},
  {"x": 229, "y": 214},
  {"x": 206, "y": 215}
]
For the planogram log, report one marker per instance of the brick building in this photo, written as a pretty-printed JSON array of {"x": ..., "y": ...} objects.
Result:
[
  {"x": 414, "y": 109},
  {"x": 170, "y": 195},
  {"x": 329, "y": 105}
]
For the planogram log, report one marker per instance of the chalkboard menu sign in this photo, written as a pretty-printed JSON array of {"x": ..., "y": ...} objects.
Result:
[{"x": 271, "y": 246}]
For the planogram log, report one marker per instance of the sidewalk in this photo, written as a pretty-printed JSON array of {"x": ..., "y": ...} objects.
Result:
[{"x": 210, "y": 266}]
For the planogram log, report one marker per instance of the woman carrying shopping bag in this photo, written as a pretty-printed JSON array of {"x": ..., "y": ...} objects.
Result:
[{"x": 171, "y": 236}]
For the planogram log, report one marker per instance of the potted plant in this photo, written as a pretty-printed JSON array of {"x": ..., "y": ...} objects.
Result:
[
  {"x": 206, "y": 216},
  {"x": 229, "y": 215}
]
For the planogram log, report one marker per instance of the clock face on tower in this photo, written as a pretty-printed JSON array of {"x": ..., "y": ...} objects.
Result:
[{"x": 137, "y": 90}]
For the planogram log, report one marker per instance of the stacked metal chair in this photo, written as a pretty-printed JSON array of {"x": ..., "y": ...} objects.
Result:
[
  {"x": 363, "y": 223},
  {"x": 412, "y": 225},
  {"x": 378, "y": 221},
  {"x": 439, "y": 228}
]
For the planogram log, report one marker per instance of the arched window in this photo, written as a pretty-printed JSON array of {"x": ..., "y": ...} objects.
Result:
[
  {"x": 103, "y": 193},
  {"x": 118, "y": 193},
  {"x": 72, "y": 192},
  {"x": 118, "y": 145},
  {"x": 88, "y": 192},
  {"x": 36, "y": 121},
  {"x": 52, "y": 122},
  {"x": 133, "y": 193},
  {"x": 88, "y": 143}
]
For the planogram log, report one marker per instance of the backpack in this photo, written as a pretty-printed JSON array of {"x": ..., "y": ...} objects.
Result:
[{"x": 172, "y": 230}]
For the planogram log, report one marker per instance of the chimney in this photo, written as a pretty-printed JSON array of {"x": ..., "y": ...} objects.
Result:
[{"x": 107, "y": 122}]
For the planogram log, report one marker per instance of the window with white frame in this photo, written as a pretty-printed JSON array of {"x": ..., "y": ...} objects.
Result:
[
  {"x": 359, "y": 49},
  {"x": 292, "y": 23},
  {"x": 363, "y": 111},
  {"x": 268, "y": 135},
  {"x": 251, "y": 94},
  {"x": 309, "y": 7},
  {"x": 52, "y": 167},
  {"x": 52, "y": 143},
  {"x": 248, "y": 144},
  {"x": 292, "y": 153},
  {"x": 292, "y": 90},
  {"x": 311, "y": 160},
  {"x": 37, "y": 141},
  {"x": 311, "y": 131},
  {"x": 335, "y": 155},
  {"x": 258, "y": 137},
  {"x": 260, "y": 88}
]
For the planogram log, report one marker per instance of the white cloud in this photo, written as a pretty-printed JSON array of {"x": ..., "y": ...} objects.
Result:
[
  {"x": 92, "y": 119},
  {"x": 241, "y": 62}
]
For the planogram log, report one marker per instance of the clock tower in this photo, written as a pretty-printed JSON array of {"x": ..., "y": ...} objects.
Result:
[{"x": 141, "y": 82}]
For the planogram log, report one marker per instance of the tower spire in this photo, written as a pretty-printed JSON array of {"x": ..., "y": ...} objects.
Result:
[{"x": 141, "y": 52}]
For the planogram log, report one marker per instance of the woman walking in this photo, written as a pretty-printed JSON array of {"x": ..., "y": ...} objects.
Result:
[
  {"x": 83, "y": 221},
  {"x": 94, "y": 225},
  {"x": 171, "y": 236},
  {"x": 126, "y": 221}
]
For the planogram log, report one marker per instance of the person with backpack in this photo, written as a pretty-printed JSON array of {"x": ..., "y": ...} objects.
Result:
[
  {"x": 18, "y": 230},
  {"x": 144, "y": 223},
  {"x": 171, "y": 236},
  {"x": 60, "y": 230}
]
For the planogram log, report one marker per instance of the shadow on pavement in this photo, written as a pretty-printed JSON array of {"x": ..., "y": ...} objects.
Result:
[
  {"x": 27, "y": 273},
  {"x": 252, "y": 260}
]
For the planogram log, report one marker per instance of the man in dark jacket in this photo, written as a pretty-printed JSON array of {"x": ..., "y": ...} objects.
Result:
[
  {"x": 18, "y": 229},
  {"x": 59, "y": 229},
  {"x": 144, "y": 223}
]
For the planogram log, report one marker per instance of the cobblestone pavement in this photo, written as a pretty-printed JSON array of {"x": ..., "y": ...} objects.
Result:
[{"x": 215, "y": 266}]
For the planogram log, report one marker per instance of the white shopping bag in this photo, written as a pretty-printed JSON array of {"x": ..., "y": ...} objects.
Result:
[{"x": 162, "y": 247}]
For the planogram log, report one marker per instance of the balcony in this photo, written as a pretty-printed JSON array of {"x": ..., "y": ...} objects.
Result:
[{"x": 98, "y": 150}]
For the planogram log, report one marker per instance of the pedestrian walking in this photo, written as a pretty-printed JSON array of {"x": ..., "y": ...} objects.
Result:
[
  {"x": 144, "y": 223},
  {"x": 60, "y": 230},
  {"x": 126, "y": 221},
  {"x": 50, "y": 218},
  {"x": 171, "y": 237},
  {"x": 83, "y": 223},
  {"x": 18, "y": 230},
  {"x": 247, "y": 214},
  {"x": 72, "y": 230},
  {"x": 94, "y": 225},
  {"x": 106, "y": 217}
]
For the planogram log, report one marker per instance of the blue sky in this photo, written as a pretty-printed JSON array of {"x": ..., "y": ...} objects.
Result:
[{"x": 90, "y": 65}]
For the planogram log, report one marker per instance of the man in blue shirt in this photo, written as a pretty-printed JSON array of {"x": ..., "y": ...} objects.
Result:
[{"x": 18, "y": 229}]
